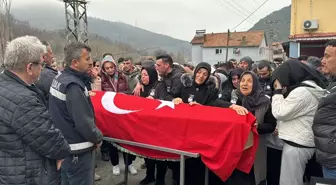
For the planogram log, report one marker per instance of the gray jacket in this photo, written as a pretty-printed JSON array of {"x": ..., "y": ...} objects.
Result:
[
  {"x": 29, "y": 144},
  {"x": 324, "y": 128}
]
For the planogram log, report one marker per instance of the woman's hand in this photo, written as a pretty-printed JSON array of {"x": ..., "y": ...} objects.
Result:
[
  {"x": 239, "y": 109},
  {"x": 194, "y": 103},
  {"x": 138, "y": 89},
  {"x": 277, "y": 85},
  {"x": 150, "y": 97},
  {"x": 94, "y": 72},
  {"x": 177, "y": 101}
]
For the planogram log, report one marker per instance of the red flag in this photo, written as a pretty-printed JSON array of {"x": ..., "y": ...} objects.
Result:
[{"x": 217, "y": 134}]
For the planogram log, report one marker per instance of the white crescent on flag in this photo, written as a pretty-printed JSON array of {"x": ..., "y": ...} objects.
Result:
[{"x": 108, "y": 103}]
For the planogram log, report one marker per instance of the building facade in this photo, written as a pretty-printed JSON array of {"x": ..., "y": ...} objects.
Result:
[
  {"x": 212, "y": 47},
  {"x": 312, "y": 25}
]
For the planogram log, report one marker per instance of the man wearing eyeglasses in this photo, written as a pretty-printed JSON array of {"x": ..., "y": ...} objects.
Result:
[{"x": 30, "y": 144}]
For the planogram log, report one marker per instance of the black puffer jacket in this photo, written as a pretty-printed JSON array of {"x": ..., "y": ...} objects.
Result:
[
  {"x": 324, "y": 128},
  {"x": 29, "y": 143}
]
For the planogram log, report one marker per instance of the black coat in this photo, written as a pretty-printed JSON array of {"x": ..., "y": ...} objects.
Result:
[
  {"x": 29, "y": 144},
  {"x": 324, "y": 128},
  {"x": 205, "y": 94}
]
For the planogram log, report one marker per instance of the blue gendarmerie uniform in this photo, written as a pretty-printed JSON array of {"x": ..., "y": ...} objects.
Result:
[{"x": 72, "y": 112}]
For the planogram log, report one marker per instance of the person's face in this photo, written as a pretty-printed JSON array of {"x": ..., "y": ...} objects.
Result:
[
  {"x": 235, "y": 81},
  {"x": 128, "y": 65},
  {"x": 161, "y": 67},
  {"x": 246, "y": 84},
  {"x": 329, "y": 61},
  {"x": 201, "y": 75},
  {"x": 90, "y": 67},
  {"x": 82, "y": 64},
  {"x": 109, "y": 68},
  {"x": 121, "y": 66},
  {"x": 144, "y": 77},
  {"x": 97, "y": 64},
  {"x": 234, "y": 63},
  {"x": 49, "y": 56},
  {"x": 34, "y": 69},
  {"x": 263, "y": 73},
  {"x": 244, "y": 65}
]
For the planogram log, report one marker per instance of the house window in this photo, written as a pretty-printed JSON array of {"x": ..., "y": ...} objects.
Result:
[{"x": 218, "y": 51}]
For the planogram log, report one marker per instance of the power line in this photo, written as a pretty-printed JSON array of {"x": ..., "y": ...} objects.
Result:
[
  {"x": 222, "y": 5},
  {"x": 239, "y": 8},
  {"x": 250, "y": 14}
]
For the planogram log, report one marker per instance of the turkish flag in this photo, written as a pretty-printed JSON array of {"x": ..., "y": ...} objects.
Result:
[{"x": 217, "y": 134}]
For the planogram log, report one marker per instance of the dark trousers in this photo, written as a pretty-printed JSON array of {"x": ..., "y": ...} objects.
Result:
[
  {"x": 175, "y": 167},
  {"x": 273, "y": 166},
  {"x": 104, "y": 147},
  {"x": 313, "y": 169},
  {"x": 78, "y": 170},
  {"x": 241, "y": 178},
  {"x": 114, "y": 156},
  {"x": 161, "y": 169}
]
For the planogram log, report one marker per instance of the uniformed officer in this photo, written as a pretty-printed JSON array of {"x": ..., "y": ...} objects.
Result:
[{"x": 72, "y": 112}]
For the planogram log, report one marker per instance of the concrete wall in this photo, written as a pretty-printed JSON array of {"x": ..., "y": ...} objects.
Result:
[
  {"x": 313, "y": 9},
  {"x": 210, "y": 56},
  {"x": 196, "y": 53}
]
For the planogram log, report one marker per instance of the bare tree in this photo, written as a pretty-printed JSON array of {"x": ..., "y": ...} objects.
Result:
[{"x": 6, "y": 21}]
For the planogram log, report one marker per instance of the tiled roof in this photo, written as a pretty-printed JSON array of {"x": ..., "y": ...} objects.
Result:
[{"x": 251, "y": 38}]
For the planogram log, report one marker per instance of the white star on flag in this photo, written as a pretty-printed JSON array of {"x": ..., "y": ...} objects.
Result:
[{"x": 166, "y": 103}]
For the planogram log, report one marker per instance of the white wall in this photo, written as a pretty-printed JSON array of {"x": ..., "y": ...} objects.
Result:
[
  {"x": 210, "y": 56},
  {"x": 196, "y": 53}
]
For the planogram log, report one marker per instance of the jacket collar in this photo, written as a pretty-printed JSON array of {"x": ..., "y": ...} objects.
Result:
[
  {"x": 84, "y": 77},
  {"x": 47, "y": 66},
  {"x": 32, "y": 87}
]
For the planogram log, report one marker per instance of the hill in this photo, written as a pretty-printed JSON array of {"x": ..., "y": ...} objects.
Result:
[
  {"x": 276, "y": 25},
  {"x": 51, "y": 19}
]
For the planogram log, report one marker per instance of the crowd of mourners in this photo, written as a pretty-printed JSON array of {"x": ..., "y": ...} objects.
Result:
[{"x": 48, "y": 133}]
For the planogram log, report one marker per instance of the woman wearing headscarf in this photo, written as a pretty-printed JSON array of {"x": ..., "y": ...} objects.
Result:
[
  {"x": 153, "y": 89},
  {"x": 255, "y": 100},
  {"x": 230, "y": 90},
  {"x": 294, "y": 103},
  {"x": 115, "y": 81},
  {"x": 201, "y": 89}
]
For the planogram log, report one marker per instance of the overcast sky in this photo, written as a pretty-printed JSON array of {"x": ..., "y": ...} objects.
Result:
[{"x": 178, "y": 18}]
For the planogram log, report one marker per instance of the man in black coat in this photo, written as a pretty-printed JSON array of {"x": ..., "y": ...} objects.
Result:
[
  {"x": 324, "y": 125},
  {"x": 29, "y": 145},
  {"x": 72, "y": 113}
]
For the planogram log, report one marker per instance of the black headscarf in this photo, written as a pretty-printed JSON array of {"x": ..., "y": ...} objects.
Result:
[
  {"x": 292, "y": 73},
  {"x": 256, "y": 99},
  {"x": 198, "y": 67},
  {"x": 153, "y": 78},
  {"x": 203, "y": 93},
  {"x": 236, "y": 72}
]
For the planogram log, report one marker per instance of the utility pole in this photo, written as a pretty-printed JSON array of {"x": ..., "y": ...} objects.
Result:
[
  {"x": 76, "y": 20},
  {"x": 227, "y": 45}
]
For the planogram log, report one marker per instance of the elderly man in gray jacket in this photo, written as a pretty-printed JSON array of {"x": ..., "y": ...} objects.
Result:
[{"x": 30, "y": 145}]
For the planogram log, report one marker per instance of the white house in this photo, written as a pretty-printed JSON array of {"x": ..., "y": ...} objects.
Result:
[{"x": 211, "y": 47}]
